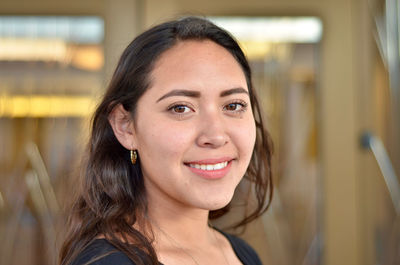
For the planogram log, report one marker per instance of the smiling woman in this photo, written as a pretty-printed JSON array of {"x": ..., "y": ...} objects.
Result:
[{"x": 177, "y": 130}]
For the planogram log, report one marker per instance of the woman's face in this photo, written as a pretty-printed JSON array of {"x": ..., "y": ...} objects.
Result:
[{"x": 194, "y": 128}]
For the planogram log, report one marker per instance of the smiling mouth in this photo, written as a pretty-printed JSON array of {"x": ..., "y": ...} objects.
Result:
[{"x": 209, "y": 167}]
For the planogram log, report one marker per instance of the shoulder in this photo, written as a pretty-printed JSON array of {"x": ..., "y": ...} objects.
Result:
[
  {"x": 101, "y": 252},
  {"x": 244, "y": 251}
]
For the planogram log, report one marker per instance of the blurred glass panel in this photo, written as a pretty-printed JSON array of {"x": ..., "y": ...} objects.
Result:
[
  {"x": 273, "y": 29},
  {"x": 382, "y": 207},
  {"x": 51, "y": 71},
  {"x": 82, "y": 30},
  {"x": 284, "y": 56}
]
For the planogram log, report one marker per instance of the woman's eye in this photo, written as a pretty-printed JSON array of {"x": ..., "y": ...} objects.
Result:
[
  {"x": 232, "y": 106},
  {"x": 235, "y": 106},
  {"x": 180, "y": 109}
]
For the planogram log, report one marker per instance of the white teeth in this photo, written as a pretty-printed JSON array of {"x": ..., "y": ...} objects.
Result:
[{"x": 210, "y": 167}]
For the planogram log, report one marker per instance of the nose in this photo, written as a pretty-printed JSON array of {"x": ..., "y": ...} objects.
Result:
[{"x": 213, "y": 132}]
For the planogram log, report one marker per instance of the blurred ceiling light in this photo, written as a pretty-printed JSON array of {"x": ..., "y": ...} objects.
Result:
[
  {"x": 78, "y": 29},
  {"x": 272, "y": 29},
  {"x": 87, "y": 58},
  {"x": 46, "y": 106},
  {"x": 12, "y": 49},
  {"x": 262, "y": 49}
]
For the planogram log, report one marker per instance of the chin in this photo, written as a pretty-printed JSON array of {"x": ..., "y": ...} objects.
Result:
[{"x": 213, "y": 204}]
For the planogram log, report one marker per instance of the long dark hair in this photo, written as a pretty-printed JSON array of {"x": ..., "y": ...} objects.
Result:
[{"x": 113, "y": 196}]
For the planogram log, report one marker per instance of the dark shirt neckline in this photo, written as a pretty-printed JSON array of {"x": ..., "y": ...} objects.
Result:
[{"x": 227, "y": 236}]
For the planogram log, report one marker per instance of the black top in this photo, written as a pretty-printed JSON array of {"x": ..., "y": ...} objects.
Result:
[{"x": 98, "y": 253}]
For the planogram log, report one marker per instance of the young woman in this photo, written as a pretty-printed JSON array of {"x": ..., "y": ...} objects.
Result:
[{"x": 177, "y": 130}]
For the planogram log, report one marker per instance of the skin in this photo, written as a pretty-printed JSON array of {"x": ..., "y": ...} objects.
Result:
[{"x": 213, "y": 120}]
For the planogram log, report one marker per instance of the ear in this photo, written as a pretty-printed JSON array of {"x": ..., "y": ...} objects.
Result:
[{"x": 122, "y": 125}]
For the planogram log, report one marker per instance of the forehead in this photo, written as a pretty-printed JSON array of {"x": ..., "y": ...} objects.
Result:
[{"x": 196, "y": 64}]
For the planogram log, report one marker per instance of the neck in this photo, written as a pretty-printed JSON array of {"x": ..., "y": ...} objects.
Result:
[
  {"x": 181, "y": 233},
  {"x": 185, "y": 225}
]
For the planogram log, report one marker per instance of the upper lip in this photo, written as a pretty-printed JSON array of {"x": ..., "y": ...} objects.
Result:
[{"x": 210, "y": 161}]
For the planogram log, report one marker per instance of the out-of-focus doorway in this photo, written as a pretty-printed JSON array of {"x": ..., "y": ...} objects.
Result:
[{"x": 50, "y": 70}]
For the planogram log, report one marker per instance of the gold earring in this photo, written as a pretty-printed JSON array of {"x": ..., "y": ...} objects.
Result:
[{"x": 133, "y": 156}]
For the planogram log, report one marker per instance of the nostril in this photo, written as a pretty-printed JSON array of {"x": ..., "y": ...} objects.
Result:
[{"x": 213, "y": 141}]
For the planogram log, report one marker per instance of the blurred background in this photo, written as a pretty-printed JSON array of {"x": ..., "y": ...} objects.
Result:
[{"x": 327, "y": 73}]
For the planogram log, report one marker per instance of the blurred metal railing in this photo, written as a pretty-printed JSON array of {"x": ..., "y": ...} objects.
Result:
[
  {"x": 33, "y": 184},
  {"x": 386, "y": 15},
  {"x": 387, "y": 250},
  {"x": 369, "y": 141}
]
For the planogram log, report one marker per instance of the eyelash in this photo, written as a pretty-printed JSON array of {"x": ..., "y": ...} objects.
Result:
[
  {"x": 243, "y": 108},
  {"x": 243, "y": 105},
  {"x": 175, "y": 105}
]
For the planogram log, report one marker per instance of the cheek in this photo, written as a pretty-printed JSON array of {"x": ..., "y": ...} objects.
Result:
[
  {"x": 245, "y": 137},
  {"x": 163, "y": 139}
]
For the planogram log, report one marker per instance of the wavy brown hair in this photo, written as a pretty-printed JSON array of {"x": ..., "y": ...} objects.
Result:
[{"x": 113, "y": 196}]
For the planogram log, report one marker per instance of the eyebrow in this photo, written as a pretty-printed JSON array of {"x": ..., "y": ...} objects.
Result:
[
  {"x": 181, "y": 92},
  {"x": 237, "y": 90},
  {"x": 196, "y": 94}
]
